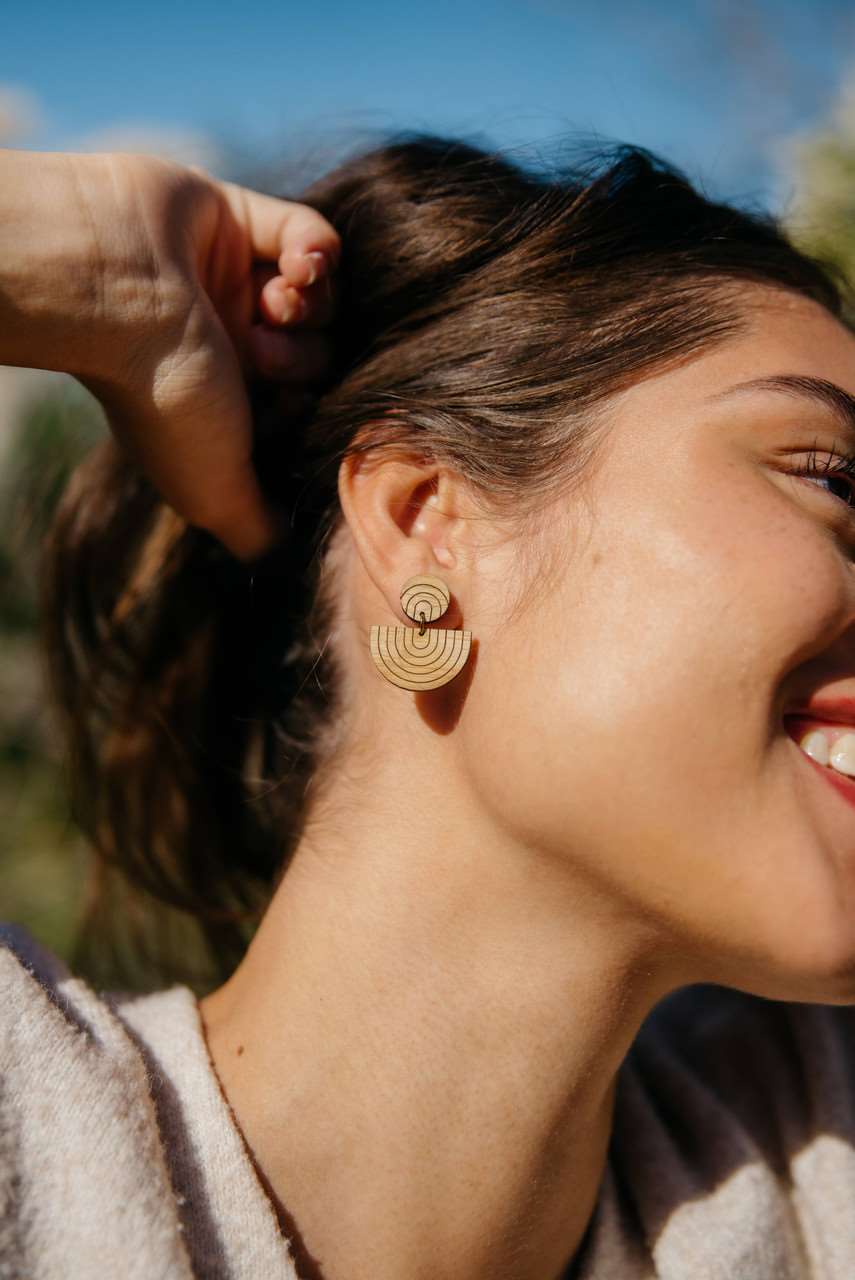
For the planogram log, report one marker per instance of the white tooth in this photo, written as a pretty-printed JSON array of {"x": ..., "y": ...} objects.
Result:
[
  {"x": 815, "y": 745},
  {"x": 843, "y": 754}
]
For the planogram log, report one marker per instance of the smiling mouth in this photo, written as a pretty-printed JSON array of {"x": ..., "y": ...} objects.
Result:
[{"x": 797, "y": 726}]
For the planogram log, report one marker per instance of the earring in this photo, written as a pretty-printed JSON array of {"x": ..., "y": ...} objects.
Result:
[{"x": 420, "y": 659}]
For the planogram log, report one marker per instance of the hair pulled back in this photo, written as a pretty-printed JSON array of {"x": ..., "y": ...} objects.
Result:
[{"x": 495, "y": 310}]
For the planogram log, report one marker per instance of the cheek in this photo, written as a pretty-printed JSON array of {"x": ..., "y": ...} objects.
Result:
[
  {"x": 597, "y": 707},
  {"x": 628, "y": 724}
]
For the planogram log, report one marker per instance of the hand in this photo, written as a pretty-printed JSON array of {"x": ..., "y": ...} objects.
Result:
[
  {"x": 165, "y": 291},
  {"x": 239, "y": 285}
]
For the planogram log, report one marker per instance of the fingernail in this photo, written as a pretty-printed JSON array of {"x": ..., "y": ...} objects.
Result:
[{"x": 317, "y": 260}]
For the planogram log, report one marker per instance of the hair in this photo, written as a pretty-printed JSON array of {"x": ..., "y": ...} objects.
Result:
[{"x": 486, "y": 314}]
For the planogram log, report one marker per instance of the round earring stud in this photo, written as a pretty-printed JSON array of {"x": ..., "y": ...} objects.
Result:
[{"x": 424, "y": 598}]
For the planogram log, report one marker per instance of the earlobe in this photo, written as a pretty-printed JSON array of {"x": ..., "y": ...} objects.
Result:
[{"x": 394, "y": 506}]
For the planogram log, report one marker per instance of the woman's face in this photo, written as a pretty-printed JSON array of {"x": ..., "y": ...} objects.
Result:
[{"x": 705, "y": 592}]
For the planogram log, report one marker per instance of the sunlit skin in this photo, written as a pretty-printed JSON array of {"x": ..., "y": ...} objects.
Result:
[{"x": 508, "y": 873}]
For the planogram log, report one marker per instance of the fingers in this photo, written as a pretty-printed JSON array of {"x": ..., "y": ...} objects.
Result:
[
  {"x": 294, "y": 252},
  {"x": 276, "y": 226},
  {"x": 283, "y": 347},
  {"x": 311, "y": 307},
  {"x": 306, "y": 269}
]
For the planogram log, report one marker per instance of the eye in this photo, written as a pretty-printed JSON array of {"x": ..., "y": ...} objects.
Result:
[
  {"x": 837, "y": 471},
  {"x": 842, "y": 487}
]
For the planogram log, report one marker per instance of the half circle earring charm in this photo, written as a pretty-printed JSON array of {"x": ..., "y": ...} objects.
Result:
[{"x": 420, "y": 658}]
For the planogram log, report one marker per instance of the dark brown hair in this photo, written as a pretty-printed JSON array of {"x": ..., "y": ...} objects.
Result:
[{"x": 495, "y": 309}]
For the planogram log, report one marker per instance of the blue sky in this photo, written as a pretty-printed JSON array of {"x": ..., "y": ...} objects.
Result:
[{"x": 713, "y": 86}]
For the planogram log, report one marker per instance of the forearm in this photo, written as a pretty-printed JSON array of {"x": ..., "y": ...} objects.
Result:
[{"x": 51, "y": 274}]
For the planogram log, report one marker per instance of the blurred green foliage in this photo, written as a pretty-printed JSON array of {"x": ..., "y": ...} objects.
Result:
[
  {"x": 43, "y": 859},
  {"x": 821, "y": 216},
  {"x": 48, "y": 874}
]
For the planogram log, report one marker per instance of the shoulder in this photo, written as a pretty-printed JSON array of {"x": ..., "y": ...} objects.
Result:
[
  {"x": 52, "y": 1022},
  {"x": 734, "y": 1134},
  {"x": 23, "y": 958},
  {"x": 79, "y": 1138},
  {"x": 786, "y": 1064},
  {"x": 49, "y": 1017}
]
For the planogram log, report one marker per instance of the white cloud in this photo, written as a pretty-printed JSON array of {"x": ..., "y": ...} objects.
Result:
[
  {"x": 21, "y": 114},
  {"x": 185, "y": 146}
]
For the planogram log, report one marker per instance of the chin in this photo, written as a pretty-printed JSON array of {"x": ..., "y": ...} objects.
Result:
[
  {"x": 816, "y": 968},
  {"x": 830, "y": 977},
  {"x": 810, "y": 924},
  {"x": 800, "y": 944}
]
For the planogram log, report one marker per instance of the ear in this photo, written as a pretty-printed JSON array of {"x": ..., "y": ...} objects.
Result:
[{"x": 407, "y": 515}]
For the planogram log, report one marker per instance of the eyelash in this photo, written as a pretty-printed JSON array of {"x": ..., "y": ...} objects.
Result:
[{"x": 842, "y": 464}]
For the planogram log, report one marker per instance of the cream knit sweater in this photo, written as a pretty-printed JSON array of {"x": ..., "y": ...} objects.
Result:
[{"x": 732, "y": 1155}]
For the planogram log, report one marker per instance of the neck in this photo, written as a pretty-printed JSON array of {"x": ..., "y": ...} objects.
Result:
[{"x": 421, "y": 1043}]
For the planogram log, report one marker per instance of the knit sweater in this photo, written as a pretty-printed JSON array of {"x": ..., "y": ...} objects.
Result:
[{"x": 732, "y": 1155}]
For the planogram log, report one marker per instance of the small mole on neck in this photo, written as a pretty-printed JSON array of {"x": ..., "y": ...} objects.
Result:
[{"x": 240, "y": 1048}]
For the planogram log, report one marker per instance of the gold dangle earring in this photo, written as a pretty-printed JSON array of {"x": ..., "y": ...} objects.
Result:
[{"x": 420, "y": 659}]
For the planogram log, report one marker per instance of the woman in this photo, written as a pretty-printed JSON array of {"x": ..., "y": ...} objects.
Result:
[{"x": 589, "y": 437}]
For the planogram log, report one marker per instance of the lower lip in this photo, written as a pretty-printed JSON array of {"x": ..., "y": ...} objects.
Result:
[{"x": 843, "y": 785}]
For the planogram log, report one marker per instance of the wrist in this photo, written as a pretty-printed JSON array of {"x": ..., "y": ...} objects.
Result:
[
  {"x": 47, "y": 258},
  {"x": 79, "y": 282}
]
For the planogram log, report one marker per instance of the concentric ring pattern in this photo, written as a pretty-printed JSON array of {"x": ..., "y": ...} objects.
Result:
[
  {"x": 412, "y": 661},
  {"x": 424, "y": 594}
]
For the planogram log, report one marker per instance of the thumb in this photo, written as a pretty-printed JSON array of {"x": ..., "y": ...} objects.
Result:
[{"x": 274, "y": 226}]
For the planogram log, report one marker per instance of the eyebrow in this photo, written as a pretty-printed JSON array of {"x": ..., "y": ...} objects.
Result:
[{"x": 819, "y": 390}]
